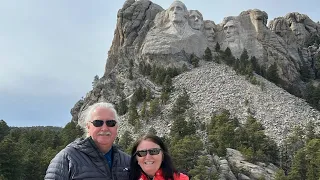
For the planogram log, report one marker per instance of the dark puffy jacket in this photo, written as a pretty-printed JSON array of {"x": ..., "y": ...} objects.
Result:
[{"x": 81, "y": 159}]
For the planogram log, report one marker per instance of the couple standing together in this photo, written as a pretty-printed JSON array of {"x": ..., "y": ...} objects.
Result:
[{"x": 96, "y": 157}]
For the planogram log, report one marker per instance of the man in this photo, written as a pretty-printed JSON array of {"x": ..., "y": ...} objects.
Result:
[
  {"x": 93, "y": 157},
  {"x": 209, "y": 30},
  {"x": 178, "y": 12},
  {"x": 177, "y": 19},
  {"x": 195, "y": 20},
  {"x": 230, "y": 30}
]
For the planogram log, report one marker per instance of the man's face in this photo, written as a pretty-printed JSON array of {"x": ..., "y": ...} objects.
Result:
[
  {"x": 230, "y": 30},
  {"x": 104, "y": 135},
  {"x": 209, "y": 31},
  {"x": 195, "y": 20},
  {"x": 177, "y": 13},
  {"x": 299, "y": 31}
]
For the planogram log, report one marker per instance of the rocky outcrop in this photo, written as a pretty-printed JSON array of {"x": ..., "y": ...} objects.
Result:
[
  {"x": 249, "y": 170},
  {"x": 235, "y": 167},
  {"x": 133, "y": 23}
]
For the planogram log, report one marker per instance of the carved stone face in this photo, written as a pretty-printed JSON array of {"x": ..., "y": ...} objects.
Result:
[
  {"x": 257, "y": 14},
  {"x": 209, "y": 30},
  {"x": 177, "y": 12},
  {"x": 279, "y": 26},
  {"x": 195, "y": 20},
  {"x": 230, "y": 30},
  {"x": 299, "y": 31}
]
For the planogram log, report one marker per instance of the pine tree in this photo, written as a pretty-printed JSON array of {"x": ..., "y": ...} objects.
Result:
[
  {"x": 312, "y": 150},
  {"x": 142, "y": 68},
  {"x": 167, "y": 84},
  {"x": 147, "y": 69},
  {"x": 4, "y": 129},
  {"x": 133, "y": 114},
  {"x": 131, "y": 63},
  {"x": 148, "y": 94},
  {"x": 154, "y": 107},
  {"x": 228, "y": 57},
  {"x": 130, "y": 76},
  {"x": 227, "y": 52},
  {"x": 139, "y": 94},
  {"x": 70, "y": 132},
  {"x": 95, "y": 80},
  {"x": 137, "y": 126},
  {"x": 280, "y": 175},
  {"x": 160, "y": 75},
  {"x": 185, "y": 152},
  {"x": 245, "y": 66},
  {"x": 217, "y": 48},
  {"x": 144, "y": 111},
  {"x": 272, "y": 73},
  {"x": 184, "y": 68},
  {"x": 203, "y": 170},
  {"x": 208, "y": 54},
  {"x": 194, "y": 60},
  {"x": 299, "y": 169},
  {"x": 122, "y": 108},
  {"x": 126, "y": 141},
  {"x": 164, "y": 97},
  {"x": 182, "y": 104},
  {"x": 10, "y": 159},
  {"x": 305, "y": 72},
  {"x": 221, "y": 133},
  {"x": 255, "y": 65},
  {"x": 244, "y": 55},
  {"x": 178, "y": 129}
]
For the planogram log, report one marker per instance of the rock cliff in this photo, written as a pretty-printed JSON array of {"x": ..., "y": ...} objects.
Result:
[
  {"x": 145, "y": 32},
  {"x": 218, "y": 86}
]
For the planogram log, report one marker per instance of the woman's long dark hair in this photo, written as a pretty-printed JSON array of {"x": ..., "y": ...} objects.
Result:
[{"x": 167, "y": 167}]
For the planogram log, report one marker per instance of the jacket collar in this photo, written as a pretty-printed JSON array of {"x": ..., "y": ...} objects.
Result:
[
  {"x": 157, "y": 176},
  {"x": 89, "y": 147}
]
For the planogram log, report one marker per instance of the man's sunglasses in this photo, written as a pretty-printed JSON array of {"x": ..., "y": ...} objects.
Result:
[
  {"x": 99, "y": 123},
  {"x": 153, "y": 151}
]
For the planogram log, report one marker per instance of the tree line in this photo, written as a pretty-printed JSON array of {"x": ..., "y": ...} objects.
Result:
[{"x": 25, "y": 153}]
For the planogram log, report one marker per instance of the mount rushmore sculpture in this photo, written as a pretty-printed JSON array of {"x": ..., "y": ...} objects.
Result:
[{"x": 147, "y": 31}]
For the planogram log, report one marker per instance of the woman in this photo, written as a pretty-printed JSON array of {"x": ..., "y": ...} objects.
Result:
[{"x": 150, "y": 160}]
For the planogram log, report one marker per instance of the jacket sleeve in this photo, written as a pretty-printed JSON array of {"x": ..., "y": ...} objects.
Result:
[
  {"x": 58, "y": 168},
  {"x": 181, "y": 177}
]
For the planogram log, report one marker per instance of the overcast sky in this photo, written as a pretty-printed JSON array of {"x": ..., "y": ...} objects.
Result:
[{"x": 50, "y": 50}]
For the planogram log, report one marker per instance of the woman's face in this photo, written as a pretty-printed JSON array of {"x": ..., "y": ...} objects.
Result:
[{"x": 149, "y": 163}]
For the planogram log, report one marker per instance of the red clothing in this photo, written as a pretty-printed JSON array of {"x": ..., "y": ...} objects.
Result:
[{"x": 158, "y": 176}]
